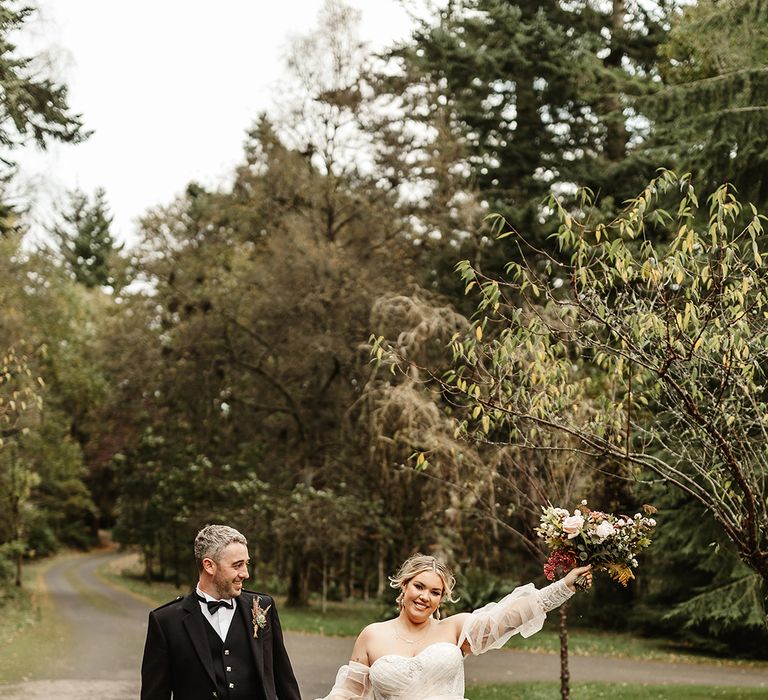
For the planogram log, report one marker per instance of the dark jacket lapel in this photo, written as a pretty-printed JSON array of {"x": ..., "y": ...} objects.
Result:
[
  {"x": 245, "y": 606},
  {"x": 194, "y": 623}
]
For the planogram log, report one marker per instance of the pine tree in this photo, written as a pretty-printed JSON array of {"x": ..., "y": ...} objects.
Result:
[
  {"x": 697, "y": 586},
  {"x": 33, "y": 107},
  {"x": 541, "y": 91},
  {"x": 84, "y": 240},
  {"x": 711, "y": 116}
]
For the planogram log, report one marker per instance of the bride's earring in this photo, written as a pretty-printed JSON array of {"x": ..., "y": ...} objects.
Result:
[{"x": 399, "y": 599}]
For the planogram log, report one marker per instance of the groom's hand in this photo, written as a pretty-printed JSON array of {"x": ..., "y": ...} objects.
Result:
[{"x": 573, "y": 574}]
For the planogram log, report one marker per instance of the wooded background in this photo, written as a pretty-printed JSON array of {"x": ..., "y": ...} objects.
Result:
[{"x": 299, "y": 356}]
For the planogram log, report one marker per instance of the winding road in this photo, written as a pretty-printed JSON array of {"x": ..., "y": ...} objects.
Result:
[{"x": 97, "y": 636}]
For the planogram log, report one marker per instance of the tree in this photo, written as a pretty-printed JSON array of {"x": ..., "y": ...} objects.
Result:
[
  {"x": 54, "y": 321},
  {"x": 695, "y": 585},
  {"x": 251, "y": 348},
  {"x": 486, "y": 489},
  {"x": 542, "y": 94},
  {"x": 84, "y": 240},
  {"x": 663, "y": 342},
  {"x": 33, "y": 107},
  {"x": 167, "y": 492},
  {"x": 261, "y": 298},
  {"x": 20, "y": 403},
  {"x": 710, "y": 113},
  {"x": 304, "y": 526}
]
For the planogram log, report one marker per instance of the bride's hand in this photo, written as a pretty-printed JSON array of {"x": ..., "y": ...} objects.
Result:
[{"x": 573, "y": 574}]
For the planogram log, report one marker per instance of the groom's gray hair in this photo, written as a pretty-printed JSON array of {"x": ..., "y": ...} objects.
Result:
[{"x": 212, "y": 539}]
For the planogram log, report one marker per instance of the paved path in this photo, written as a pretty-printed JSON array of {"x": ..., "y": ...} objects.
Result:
[
  {"x": 103, "y": 636},
  {"x": 103, "y": 631}
]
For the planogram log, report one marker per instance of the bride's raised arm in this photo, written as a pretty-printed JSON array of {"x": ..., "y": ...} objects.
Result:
[{"x": 521, "y": 612}]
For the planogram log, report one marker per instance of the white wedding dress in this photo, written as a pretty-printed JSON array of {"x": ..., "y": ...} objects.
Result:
[{"x": 437, "y": 672}]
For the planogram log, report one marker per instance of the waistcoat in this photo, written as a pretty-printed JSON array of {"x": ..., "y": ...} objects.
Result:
[{"x": 233, "y": 664}]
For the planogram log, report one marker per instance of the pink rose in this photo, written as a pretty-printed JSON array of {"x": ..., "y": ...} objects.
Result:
[{"x": 573, "y": 524}]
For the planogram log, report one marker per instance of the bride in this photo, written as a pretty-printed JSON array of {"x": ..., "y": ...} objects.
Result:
[{"x": 418, "y": 656}]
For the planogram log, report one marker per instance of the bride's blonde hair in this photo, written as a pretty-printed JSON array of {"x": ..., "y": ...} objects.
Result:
[{"x": 417, "y": 564}]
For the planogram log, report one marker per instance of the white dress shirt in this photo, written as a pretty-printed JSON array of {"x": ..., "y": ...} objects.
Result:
[{"x": 221, "y": 619}]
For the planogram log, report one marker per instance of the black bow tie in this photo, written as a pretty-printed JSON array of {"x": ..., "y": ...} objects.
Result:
[{"x": 214, "y": 605}]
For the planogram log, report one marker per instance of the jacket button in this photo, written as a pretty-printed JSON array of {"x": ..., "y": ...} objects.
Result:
[
  {"x": 229, "y": 668},
  {"x": 231, "y": 685},
  {"x": 226, "y": 652}
]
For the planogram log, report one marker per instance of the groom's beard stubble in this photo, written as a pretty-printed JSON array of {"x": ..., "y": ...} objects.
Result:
[{"x": 226, "y": 588}]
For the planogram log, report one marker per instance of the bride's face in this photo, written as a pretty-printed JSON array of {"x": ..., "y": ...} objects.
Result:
[{"x": 422, "y": 595}]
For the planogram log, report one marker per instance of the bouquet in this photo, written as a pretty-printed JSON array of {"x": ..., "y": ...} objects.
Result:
[{"x": 609, "y": 542}]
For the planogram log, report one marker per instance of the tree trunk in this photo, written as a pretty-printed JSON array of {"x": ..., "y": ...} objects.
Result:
[
  {"x": 380, "y": 570},
  {"x": 280, "y": 562},
  {"x": 350, "y": 586},
  {"x": 176, "y": 562},
  {"x": 616, "y": 136},
  {"x": 161, "y": 561},
  {"x": 147, "y": 564},
  {"x": 529, "y": 132},
  {"x": 18, "y": 568},
  {"x": 295, "y": 585},
  {"x": 16, "y": 529},
  {"x": 15, "y": 499},
  {"x": 324, "y": 601},
  {"x": 305, "y": 578},
  {"x": 565, "y": 674}
]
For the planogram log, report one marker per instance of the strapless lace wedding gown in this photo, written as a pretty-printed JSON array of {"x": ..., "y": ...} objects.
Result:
[{"x": 437, "y": 672}]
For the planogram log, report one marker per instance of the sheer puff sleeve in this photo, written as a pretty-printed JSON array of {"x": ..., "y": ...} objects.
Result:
[
  {"x": 521, "y": 612},
  {"x": 352, "y": 683}
]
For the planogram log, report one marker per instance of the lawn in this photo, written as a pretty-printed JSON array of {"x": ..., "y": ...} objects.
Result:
[
  {"x": 23, "y": 613},
  {"x": 346, "y": 619},
  {"x": 340, "y": 619},
  {"x": 613, "y": 691},
  {"x": 125, "y": 573},
  {"x": 20, "y": 608}
]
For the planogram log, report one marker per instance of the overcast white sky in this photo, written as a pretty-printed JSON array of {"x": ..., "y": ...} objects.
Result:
[{"x": 169, "y": 88}]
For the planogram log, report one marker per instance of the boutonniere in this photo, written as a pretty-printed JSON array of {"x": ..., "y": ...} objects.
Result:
[{"x": 259, "y": 616}]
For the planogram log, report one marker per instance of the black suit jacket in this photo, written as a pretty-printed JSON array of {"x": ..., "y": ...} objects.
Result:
[{"x": 177, "y": 656}]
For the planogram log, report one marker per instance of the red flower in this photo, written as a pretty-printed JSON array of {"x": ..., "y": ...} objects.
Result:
[{"x": 559, "y": 560}]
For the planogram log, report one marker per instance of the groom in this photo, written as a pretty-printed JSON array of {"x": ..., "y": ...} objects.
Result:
[{"x": 221, "y": 641}]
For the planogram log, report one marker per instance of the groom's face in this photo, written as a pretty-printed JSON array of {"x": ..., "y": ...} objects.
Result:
[{"x": 231, "y": 570}]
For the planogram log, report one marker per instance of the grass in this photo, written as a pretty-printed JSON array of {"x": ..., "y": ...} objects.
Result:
[
  {"x": 340, "y": 619},
  {"x": 125, "y": 573},
  {"x": 22, "y": 614},
  {"x": 586, "y": 642},
  {"x": 346, "y": 619},
  {"x": 19, "y": 608},
  {"x": 625, "y": 691}
]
